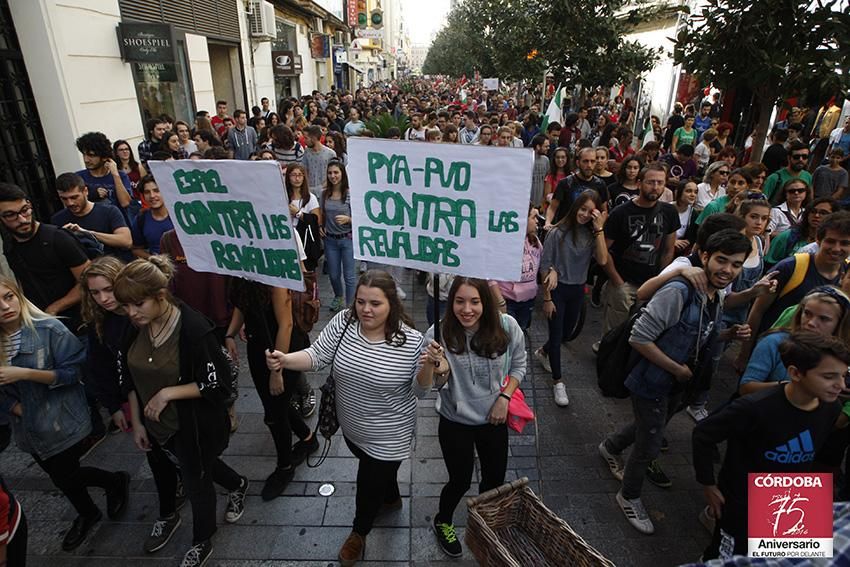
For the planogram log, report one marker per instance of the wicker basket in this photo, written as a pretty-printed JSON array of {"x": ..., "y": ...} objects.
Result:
[{"x": 510, "y": 526}]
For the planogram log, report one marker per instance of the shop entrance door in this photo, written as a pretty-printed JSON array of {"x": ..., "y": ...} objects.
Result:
[{"x": 227, "y": 76}]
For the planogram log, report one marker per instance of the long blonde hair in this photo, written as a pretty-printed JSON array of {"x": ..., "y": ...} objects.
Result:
[
  {"x": 107, "y": 267},
  {"x": 29, "y": 314}
]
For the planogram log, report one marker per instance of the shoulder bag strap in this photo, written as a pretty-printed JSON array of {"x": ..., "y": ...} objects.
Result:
[
  {"x": 330, "y": 382},
  {"x": 339, "y": 341}
]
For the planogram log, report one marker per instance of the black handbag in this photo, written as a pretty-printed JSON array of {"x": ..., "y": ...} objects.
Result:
[{"x": 328, "y": 424}]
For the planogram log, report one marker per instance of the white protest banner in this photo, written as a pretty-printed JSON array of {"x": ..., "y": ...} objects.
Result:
[
  {"x": 446, "y": 208},
  {"x": 491, "y": 84},
  {"x": 232, "y": 218}
]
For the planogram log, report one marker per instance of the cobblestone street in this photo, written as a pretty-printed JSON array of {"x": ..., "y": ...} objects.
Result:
[{"x": 557, "y": 452}]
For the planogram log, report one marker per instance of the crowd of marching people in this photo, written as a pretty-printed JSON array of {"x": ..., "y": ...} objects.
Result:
[{"x": 687, "y": 247}]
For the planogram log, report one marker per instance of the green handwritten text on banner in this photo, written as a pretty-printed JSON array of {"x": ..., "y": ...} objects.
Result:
[
  {"x": 445, "y": 208},
  {"x": 232, "y": 218}
]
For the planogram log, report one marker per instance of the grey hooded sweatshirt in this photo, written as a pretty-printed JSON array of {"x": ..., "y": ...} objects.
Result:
[{"x": 475, "y": 381}]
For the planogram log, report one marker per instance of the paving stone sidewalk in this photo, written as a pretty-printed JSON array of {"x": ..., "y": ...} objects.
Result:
[{"x": 557, "y": 453}]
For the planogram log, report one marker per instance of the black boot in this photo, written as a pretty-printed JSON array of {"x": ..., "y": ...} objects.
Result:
[{"x": 276, "y": 483}]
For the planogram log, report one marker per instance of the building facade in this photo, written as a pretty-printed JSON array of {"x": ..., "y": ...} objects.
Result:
[
  {"x": 109, "y": 65},
  {"x": 418, "y": 53}
]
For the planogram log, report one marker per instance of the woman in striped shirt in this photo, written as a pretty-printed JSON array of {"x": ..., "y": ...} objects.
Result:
[{"x": 375, "y": 403}]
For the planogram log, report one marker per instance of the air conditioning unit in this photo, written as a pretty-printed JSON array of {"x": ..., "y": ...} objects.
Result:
[{"x": 261, "y": 20}]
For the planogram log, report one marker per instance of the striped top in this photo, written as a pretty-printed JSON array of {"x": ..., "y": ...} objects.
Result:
[
  {"x": 376, "y": 386},
  {"x": 285, "y": 157},
  {"x": 12, "y": 346}
]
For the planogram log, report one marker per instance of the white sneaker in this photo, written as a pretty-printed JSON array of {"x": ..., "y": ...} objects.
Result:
[
  {"x": 543, "y": 359},
  {"x": 560, "y": 392},
  {"x": 697, "y": 413},
  {"x": 595, "y": 347},
  {"x": 364, "y": 267},
  {"x": 401, "y": 294},
  {"x": 636, "y": 514},
  {"x": 614, "y": 462}
]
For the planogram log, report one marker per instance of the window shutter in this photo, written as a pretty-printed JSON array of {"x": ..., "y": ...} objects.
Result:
[{"x": 215, "y": 18}]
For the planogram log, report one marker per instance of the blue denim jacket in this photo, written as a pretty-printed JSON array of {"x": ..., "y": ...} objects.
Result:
[
  {"x": 56, "y": 416},
  {"x": 679, "y": 342}
]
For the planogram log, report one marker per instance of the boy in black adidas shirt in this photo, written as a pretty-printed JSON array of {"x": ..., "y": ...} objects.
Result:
[{"x": 773, "y": 430}]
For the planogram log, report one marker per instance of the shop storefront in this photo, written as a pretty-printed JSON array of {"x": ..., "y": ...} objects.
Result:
[
  {"x": 170, "y": 49},
  {"x": 159, "y": 67},
  {"x": 287, "y": 63}
]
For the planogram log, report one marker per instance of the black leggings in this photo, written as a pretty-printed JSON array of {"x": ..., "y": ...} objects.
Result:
[
  {"x": 377, "y": 484},
  {"x": 165, "y": 476},
  {"x": 459, "y": 443},
  {"x": 73, "y": 480},
  {"x": 280, "y": 417},
  {"x": 198, "y": 479},
  {"x": 16, "y": 550}
]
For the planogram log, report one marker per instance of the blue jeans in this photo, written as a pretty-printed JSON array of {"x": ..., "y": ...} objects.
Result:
[
  {"x": 568, "y": 299},
  {"x": 521, "y": 311},
  {"x": 339, "y": 259}
]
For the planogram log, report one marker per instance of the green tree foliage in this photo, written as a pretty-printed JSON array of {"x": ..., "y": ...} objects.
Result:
[
  {"x": 589, "y": 47},
  {"x": 458, "y": 50},
  {"x": 582, "y": 41},
  {"x": 775, "y": 48}
]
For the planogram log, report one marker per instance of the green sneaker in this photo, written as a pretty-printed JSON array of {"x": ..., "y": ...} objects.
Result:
[
  {"x": 657, "y": 476},
  {"x": 447, "y": 538},
  {"x": 337, "y": 304}
]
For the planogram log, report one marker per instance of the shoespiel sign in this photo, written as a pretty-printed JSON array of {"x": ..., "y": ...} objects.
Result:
[
  {"x": 232, "y": 218},
  {"x": 448, "y": 208}
]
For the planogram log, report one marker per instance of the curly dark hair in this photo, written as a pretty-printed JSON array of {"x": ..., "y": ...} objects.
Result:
[
  {"x": 96, "y": 143},
  {"x": 282, "y": 136}
]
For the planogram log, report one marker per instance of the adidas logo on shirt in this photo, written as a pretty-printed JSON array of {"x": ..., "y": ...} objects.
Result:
[{"x": 799, "y": 449}]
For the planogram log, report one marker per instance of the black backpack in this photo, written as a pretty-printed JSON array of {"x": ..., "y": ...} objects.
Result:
[
  {"x": 616, "y": 358},
  {"x": 308, "y": 230},
  {"x": 89, "y": 243}
]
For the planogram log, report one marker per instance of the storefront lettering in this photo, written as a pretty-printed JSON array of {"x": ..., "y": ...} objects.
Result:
[{"x": 146, "y": 43}]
